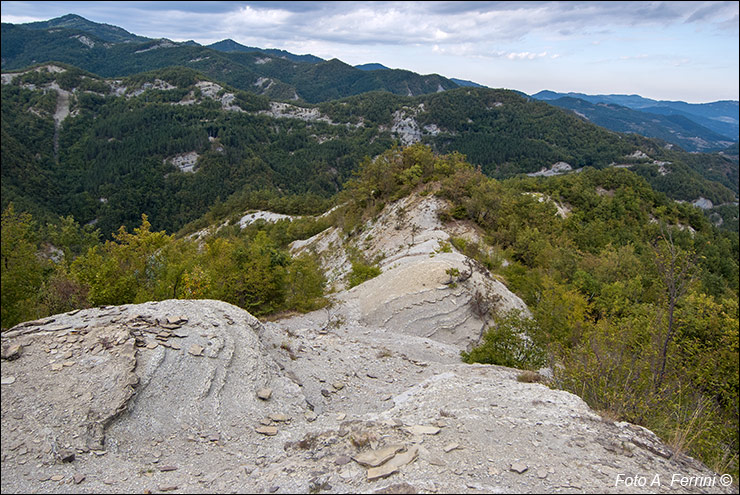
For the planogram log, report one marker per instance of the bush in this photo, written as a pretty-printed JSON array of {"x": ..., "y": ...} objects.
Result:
[
  {"x": 508, "y": 343},
  {"x": 362, "y": 272}
]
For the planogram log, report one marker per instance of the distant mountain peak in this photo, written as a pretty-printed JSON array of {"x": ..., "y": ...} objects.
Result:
[
  {"x": 372, "y": 66},
  {"x": 106, "y": 32},
  {"x": 229, "y": 46}
]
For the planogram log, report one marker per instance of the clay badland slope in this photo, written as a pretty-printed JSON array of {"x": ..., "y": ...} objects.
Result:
[{"x": 366, "y": 396}]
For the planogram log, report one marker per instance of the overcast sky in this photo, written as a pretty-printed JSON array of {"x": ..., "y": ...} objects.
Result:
[{"x": 663, "y": 50}]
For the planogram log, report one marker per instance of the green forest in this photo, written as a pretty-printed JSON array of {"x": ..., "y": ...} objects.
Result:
[{"x": 112, "y": 158}]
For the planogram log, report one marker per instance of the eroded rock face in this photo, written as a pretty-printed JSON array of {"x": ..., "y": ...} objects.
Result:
[
  {"x": 115, "y": 379},
  {"x": 426, "y": 288},
  {"x": 199, "y": 396}
]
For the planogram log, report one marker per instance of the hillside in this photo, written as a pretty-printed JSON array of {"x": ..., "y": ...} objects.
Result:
[
  {"x": 673, "y": 128},
  {"x": 722, "y": 117},
  {"x": 427, "y": 259},
  {"x": 176, "y": 143}
]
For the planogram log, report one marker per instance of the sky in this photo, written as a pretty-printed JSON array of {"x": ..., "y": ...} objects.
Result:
[{"x": 684, "y": 51}]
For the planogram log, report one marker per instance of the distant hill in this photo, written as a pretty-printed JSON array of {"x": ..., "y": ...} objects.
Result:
[
  {"x": 105, "y": 32},
  {"x": 230, "y": 45},
  {"x": 459, "y": 82},
  {"x": 463, "y": 82},
  {"x": 372, "y": 66},
  {"x": 722, "y": 117},
  {"x": 673, "y": 128}
]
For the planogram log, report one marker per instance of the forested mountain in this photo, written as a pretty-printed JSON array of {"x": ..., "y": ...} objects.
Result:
[
  {"x": 230, "y": 45},
  {"x": 257, "y": 72},
  {"x": 172, "y": 143},
  {"x": 105, "y": 32},
  {"x": 372, "y": 66},
  {"x": 722, "y": 117}
]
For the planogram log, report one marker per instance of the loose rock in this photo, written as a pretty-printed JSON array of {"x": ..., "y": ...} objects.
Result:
[
  {"x": 264, "y": 393},
  {"x": 267, "y": 430}
]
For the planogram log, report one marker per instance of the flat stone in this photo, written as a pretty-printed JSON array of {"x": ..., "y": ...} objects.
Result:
[
  {"x": 167, "y": 468},
  {"x": 267, "y": 430},
  {"x": 264, "y": 393},
  {"x": 342, "y": 460},
  {"x": 57, "y": 477},
  {"x": 196, "y": 350},
  {"x": 56, "y": 366},
  {"x": 310, "y": 416},
  {"x": 338, "y": 385},
  {"x": 79, "y": 478},
  {"x": 518, "y": 467},
  {"x": 166, "y": 488},
  {"x": 422, "y": 430},
  {"x": 68, "y": 363},
  {"x": 341, "y": 416},
  {"x": 393, "y": 465},
  {"x": 374, "y": 458},
  {"x": 7, "y": 380},
  {"x": 279, "y": 417},
  {"x": 541, "y": 474},
  {"x": 450, "y": 447}
]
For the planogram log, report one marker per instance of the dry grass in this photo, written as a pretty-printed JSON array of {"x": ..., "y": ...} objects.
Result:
[{"x": 530, "y": 377}]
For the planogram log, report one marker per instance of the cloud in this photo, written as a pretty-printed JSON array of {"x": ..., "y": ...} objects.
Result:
[
  {"x": 524, "y": 55},
  {"x": 21, "y": 19}
]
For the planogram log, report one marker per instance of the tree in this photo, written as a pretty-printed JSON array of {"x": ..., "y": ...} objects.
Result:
[
  {"x": 21, "y": 271},
  {"x": 676, "y": 268},
  {"x": 128, "y": 269}
]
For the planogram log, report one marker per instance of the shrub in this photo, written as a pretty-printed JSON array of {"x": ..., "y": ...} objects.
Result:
[
  {"x": 362, "y": 272},
  {"x": 508, "y": 344}
]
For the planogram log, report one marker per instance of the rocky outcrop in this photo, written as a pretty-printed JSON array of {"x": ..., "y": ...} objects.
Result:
[
  {"x": 426, "y": 288},
  {"x": 199, "y": 396}
]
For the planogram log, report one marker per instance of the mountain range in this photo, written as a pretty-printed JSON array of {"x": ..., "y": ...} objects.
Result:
[
  {"x": 92, "y": 46},
  {"x": 274, "y": 73},
  {"x": 710, "y": 126},
  {"x": 323, "y": 116}
]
